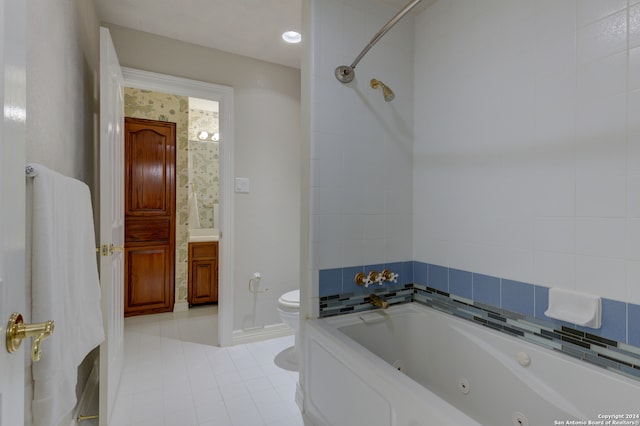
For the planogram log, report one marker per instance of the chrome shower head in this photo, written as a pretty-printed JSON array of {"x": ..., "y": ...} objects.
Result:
[{"x": 388, "y": 93}]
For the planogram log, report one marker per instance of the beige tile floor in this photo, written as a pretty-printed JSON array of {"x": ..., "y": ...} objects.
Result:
[{"x": 174, "y": 376}]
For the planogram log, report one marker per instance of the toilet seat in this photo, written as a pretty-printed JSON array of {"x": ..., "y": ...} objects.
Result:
[{"x": 290, "y": 300}]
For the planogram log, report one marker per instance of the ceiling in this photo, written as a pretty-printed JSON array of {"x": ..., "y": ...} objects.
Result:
[{"x": 245, "y": 27}]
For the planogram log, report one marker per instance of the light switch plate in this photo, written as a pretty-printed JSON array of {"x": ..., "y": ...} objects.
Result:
[{"x": 242, "y": 185}]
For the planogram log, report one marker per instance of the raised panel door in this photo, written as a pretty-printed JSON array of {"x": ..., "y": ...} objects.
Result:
[
  {"x": 148, "y": 269},
  {"x": 150, "y": 167},
  {"x": 149, "y": 216},
  {"x": 111, "y": 224}
]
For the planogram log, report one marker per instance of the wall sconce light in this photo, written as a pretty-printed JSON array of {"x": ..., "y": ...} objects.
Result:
[{"x": 204, "y": 136}]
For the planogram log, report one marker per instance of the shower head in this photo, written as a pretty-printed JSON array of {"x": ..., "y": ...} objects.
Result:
[
  {"x": 388, "y": 93},
  {"x": 345, "y": 73}
]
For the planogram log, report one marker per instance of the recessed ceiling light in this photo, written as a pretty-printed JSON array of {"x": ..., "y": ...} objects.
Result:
[{"x": 291, "y": 37}]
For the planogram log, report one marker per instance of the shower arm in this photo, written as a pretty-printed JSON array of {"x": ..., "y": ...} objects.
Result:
[{"x": 345, "y": 73}]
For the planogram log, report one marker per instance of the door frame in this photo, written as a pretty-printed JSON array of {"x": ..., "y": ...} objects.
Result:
[{"x": 163, "y": 83}]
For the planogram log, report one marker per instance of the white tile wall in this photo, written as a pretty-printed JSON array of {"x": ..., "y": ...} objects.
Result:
[
  {"x": 554, "y": 269},
  {"x": 554, "y": 18},
  {"x": 633, "y": 237},
  {"x": 602, "y": 38},
  {"x": 633, "y": 280},
  {"x": 634, "y": 196},
  {"x": 527, "y": 142},
  {"x": 602, "y": 195},
  {"x": 593, "y": 10},
  {"x": 361, "y": 145},
  {"x": 591, "y": 85},
  {"x": 634, "y": 112},
  {"x": 512, "y": 148},
  {"x": 634, "y": 26}
]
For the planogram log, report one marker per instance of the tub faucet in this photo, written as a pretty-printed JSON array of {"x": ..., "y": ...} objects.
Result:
[{"x": 378, "y": 301}]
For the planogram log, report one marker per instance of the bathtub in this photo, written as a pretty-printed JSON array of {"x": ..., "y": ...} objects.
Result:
[{"x": 413, "y": 365}]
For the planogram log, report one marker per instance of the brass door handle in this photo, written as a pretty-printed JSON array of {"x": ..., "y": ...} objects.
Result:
[{"x": 18, "y": 330}]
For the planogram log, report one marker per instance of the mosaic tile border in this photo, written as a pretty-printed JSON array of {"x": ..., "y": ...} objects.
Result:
[
  {"x": 610, "y": 354},
  {"x": 615, "y": 356},
  {"x": 346, "y": 303},
  {"x": 620, "y": 320}
]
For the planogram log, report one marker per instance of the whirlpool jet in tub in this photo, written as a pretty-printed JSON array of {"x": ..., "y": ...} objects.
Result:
[{"x": 413, "y": 365}]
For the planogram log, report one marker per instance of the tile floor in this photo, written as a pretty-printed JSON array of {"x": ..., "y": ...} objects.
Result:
[{"x": 173, "y": 376}]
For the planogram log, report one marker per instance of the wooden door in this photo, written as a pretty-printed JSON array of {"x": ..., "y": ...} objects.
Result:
[
  {"x": 150, "y": 199},
  {"x": 12, "y": 204},
  {"x": 111, "y": 225}
]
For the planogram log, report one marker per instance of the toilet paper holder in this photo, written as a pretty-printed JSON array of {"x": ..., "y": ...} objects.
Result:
[{"x": 252, "y": 287}]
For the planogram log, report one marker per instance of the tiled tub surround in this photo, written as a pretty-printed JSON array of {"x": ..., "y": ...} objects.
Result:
[
  {"x": 413, "y": 365},
  {"x": 511, "y": 307}
]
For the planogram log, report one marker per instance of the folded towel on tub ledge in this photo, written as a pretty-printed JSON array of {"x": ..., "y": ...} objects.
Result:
[{"x": 64, "y": 288}]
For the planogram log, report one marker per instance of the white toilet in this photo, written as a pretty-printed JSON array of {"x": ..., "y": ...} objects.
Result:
[{"x": 289, "y": 310}]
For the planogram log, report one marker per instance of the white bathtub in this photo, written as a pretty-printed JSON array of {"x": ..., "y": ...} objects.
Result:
[{"x": 455, "y": 373}]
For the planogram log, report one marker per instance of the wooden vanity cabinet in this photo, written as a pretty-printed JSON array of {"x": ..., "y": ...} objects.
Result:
[{"x": 203, "y": 273}]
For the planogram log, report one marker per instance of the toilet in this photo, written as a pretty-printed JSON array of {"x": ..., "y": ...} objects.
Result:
[{"x": 289, "y": 310}]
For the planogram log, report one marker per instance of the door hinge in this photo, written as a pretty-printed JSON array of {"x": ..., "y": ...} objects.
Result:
[{"x": 106, "y": 250}]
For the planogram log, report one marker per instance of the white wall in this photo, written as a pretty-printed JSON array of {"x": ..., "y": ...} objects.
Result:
[
  {"x": 361, "y": 146},
  {"x": 62, "y": 62},
  {"x": 62, "y": 69},
  {"x": 527, "y": 142},
  {"x": 267, "y": 146}
]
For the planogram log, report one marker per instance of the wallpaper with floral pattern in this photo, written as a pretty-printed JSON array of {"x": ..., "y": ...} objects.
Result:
[{"x": 204, "y": 170}]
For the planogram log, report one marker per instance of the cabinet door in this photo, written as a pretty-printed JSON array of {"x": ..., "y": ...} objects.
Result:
[
  {"x": 203, "y": 290},
  {"x": 203, "y": 273}
]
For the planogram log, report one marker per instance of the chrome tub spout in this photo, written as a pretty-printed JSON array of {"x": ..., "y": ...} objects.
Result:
[{"x": 378, "y": 301}]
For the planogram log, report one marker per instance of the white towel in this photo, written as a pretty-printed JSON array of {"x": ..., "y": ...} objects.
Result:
[
  {"x": 64, "y": 288},
  {"x": 194, "y": 214}
]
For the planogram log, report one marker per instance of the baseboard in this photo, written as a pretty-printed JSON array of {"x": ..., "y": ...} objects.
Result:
[
  {"x": 258, "y": 334},
  {"x": 181, "y": 307}
]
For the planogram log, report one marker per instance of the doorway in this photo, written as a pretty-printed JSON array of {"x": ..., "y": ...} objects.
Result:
[{"x": 223, "y": 95}]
